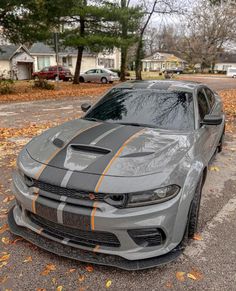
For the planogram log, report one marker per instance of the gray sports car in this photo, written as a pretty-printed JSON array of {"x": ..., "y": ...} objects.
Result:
[{"x": 122, "y": 185}]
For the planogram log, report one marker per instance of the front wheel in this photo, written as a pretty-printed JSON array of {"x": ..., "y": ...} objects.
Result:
[
  {"x": 194, "y": 210},
  {"x": 104, "y": 80}
]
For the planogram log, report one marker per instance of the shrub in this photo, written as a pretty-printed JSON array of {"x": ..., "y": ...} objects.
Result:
[
  {"x": 6, "y": 86},
  {"x": 43, "y": 84}
]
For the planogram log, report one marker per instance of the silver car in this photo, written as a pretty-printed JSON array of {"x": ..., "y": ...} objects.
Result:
[
  {"x": 99, "y": 75},
  {"x": 122, "y": 185}
]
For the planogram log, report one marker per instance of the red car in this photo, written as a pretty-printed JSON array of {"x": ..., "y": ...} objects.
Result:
[{"x": 50, "y": 73}]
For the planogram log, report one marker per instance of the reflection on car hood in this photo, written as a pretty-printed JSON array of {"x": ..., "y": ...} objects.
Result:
[{"x": 109, "y": 149}]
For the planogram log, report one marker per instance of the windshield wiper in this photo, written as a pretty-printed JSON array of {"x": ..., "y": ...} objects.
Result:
[{"x": 137, "y": 124}]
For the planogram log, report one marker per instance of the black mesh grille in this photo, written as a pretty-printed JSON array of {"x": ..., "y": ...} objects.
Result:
[
  {"x": 80, "y": 237},
  {"x": 77, "y": 194}
]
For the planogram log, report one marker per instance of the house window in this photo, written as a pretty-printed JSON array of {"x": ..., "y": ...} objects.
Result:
[
  {"x": 106, "y": 63},
  {"x": 64, "y": 61},
  {"x": 43, "y": 61},
  {"x": 70, "y": 61}
]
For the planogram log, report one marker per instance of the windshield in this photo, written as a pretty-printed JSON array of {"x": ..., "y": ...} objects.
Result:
[{"x": 162, "y": 109}]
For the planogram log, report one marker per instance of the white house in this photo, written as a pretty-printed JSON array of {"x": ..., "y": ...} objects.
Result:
[
  {"x": 44, "y": 55},
  {"x": 225, "y": 61},
  {"x": 18, "y": 62}
]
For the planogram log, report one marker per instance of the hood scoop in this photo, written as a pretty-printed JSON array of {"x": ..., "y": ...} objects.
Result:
[
  {"x": 79, "y": 157},
  {"x": 58, "y": 142},
  {"x": 89, "y": 149}
]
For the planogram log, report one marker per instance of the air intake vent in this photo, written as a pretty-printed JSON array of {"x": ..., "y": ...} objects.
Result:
[
  {"x": 147, "y": 237},
  {"x": 90, "y": 149}
]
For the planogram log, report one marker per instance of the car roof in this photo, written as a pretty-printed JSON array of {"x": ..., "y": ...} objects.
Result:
[{"x": 159, "y": 84}]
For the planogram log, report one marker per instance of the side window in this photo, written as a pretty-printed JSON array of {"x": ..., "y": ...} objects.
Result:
[
  {"x": 202, "y": 104},
  {"x": 210, "y": 97},
  {"x": 91, "y": 72}
]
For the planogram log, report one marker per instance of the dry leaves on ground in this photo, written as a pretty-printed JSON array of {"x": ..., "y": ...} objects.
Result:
[{"x": 48, "y": 269}]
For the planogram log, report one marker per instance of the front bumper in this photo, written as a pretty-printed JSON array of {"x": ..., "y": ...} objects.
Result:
[
  {"x": 106, "y": 219},
  {"x": 71, "y": 252}
]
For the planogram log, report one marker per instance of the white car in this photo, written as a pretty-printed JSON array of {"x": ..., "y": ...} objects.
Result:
[
  {"x": 231, "y": 72},
  {"x": 99, "y": 75}
]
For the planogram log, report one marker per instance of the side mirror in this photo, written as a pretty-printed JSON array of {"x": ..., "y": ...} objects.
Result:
[
  {"x": 85, "y": 107},
  {"x": 212, "y": 120}
]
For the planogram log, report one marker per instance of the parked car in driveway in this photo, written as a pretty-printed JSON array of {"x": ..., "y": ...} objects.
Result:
[
  {"x": 50, "y": 73},
  {"x": 122, "y": 185},
  {"x": 99, "y": 75}
]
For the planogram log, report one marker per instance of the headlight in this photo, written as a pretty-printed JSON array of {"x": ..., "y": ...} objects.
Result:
[{"x": 143, "y": 198}]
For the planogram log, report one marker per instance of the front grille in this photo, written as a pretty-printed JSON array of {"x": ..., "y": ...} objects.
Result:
[
  {"x": 80, "y": 237},
  {"x": 147, "y": 237},
  {"x": 61, "y": 191}
]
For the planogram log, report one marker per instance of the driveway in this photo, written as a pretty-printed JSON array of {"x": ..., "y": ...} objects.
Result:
[{"x": 208, "y": 263}]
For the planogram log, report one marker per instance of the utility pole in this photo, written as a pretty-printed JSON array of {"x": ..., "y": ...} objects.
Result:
[{"x": 57, "y": 57}]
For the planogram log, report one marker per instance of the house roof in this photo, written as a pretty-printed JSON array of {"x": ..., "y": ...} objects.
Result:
[
  {"x": 41, "y": 48},
  {"x": 161, "y": 56},
  {"x": 6, "y": 51},
  {"x": 226, "y": 58}
]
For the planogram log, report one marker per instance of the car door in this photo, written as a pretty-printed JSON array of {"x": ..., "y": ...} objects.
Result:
[
  {"x": 215, "y": 109},
  {"x": 205, "y": 132},
  {"x": 90, "y": 76}
]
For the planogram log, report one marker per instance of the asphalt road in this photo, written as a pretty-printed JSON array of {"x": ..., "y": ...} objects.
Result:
[{"x": 214, "y": 257}]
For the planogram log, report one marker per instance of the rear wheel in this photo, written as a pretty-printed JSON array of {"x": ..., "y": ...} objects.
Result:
[
  {"x": 81, "y": 79},
  {"x": 194, "y": 210},
  {"x": 104, "y": 80}
]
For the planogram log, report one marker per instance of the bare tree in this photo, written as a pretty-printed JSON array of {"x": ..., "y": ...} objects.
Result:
[
  {"x": 206, "y": 31},
  {"x": 159, "y": 7}
]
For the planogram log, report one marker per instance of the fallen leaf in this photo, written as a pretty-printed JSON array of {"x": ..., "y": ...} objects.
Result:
[
  {"x": 8, "y": 199},
  {"x": 41, "y": 289},
  {"x": 4, "y": 228},
  {"x": 48, "y": 269},
  {"x": 59, "y": 288},
  {"x": 89, "y": 269},
  {"x": 216, "y": 169},
  {"x": 191, "y": 276},
  {"x": 197, "y": 237},
  {"x": 28, "y": 259},
  {"x": 3, "y": 279},
  {"x": 3, "y": 264},
  {"x": 195, "y": 275},
  {"x": 4, "y": 257},
  {"x": 180, "y": 276},
  {"x": 108, "y": 283},
  {"x": 81, "y": 278},
  {"x": 169, "y": 285},
  {"x": 54, "y": 281},
  {"x": 16, "y": 240},
  {"x": 5, "y": 240}
]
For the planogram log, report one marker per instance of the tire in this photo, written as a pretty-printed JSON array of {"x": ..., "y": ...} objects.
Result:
[
  {"x": 194, "y": 210},
  {"x": 36, "y": 78},
  {"x": 81, "y": 79},
  {"x": 111, "y": 82},
  {"x": 104, "y": 80},
  {"x": 221, "y": 142}
]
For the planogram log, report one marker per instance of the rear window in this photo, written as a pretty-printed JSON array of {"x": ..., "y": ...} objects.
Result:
[{"x": 162, "y": 109}]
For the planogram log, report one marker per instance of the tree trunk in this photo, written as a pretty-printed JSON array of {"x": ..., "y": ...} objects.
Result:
[
  {"x": 124, "y": 47},
  {"x": 138, "y": 63},
  {"x": 80, "y": 49},
  {"x": 123, "y": 63},
  {"x": 78, "y": 65}
]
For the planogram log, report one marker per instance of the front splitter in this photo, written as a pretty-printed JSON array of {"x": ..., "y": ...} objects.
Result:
[{"x": 89, "y": 256}]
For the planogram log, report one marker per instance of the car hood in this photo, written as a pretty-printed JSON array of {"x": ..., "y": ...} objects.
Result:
[{"x": 109, "y": 149}]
